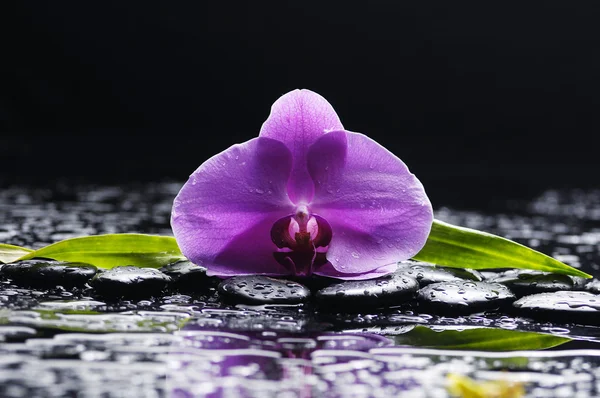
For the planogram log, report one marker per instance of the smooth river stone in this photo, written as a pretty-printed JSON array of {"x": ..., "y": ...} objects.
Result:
[
  {"x": 562, "y": 306},
  {"x": 258, "y": 289},
  {"x": 48, "y": 273},
  {"x": 189, "y": 277},
  {"x": 593, "y": 286},
  {"x": 427, "y": 273},
  {"x": 464, "y": 296},
  {"x": 384, "y": 291},
  {"x": 130, "y": 281},
  {"x": 13, "y": 334},
  {"x": 523, "y": 282}
]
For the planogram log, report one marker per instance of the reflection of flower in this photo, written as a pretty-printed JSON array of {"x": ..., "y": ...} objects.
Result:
[
  {"x": 304, "y": 197},
  {"x": 465, "y": 387}
]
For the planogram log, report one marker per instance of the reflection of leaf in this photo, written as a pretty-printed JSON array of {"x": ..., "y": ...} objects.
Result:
[
  {"x": 4, "y": 314},
  {"x": 460, "y": 247},
  {"x": 112, "y": 250},
  {"x": 483, "y": 339},
  {"x": 10, "y": 253}
]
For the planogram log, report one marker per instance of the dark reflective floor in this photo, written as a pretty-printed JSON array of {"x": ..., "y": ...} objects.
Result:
[{"x": 188, "y": 343}]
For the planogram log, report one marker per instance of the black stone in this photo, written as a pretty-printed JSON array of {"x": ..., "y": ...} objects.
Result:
[
  {"x": 427, "y": 273},
  {"x": 562, "y": 306},
  {"x": 489, "y": 275},
  {"x": 384, "y": 291},
  {"x": 15, "y": 334},
  {"x": 258, "y": 289},
  {"x": 524, "y": 282},
  {"x": 579, "y": 282},
  {"x": 464, "y": 296},
  {"x": 130, "y": 281},
  {"x": 314, "y": 282},
  {"x": 48, "y": 273},
  {"x": 189, "y": 277},
  {"x": 593, "y": 286}
]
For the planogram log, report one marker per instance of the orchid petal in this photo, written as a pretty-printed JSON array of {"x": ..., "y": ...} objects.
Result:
[
  {"x": 377, "y": 209},
  {"x": 298, "y": 119},
  {"x": 223, "y": 215}
]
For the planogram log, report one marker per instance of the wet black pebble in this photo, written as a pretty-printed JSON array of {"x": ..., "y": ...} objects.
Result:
[
  {"x": 593, "y": 286},
  {"x": 489, "y": 275},
  {"x": 48, "y": 273},
  {"x": 562, "y": 306},
  {"x": 189, "y": 277},
  {"x": 14, "y": 334},
  {"x": 130, "y": 281},
  {"x": 464, "y": 296},
  {"x": 427, "y": 273},
  {"x": 384, "y": 291},
  {"x": 523, "y": 282},
  {"x": 257, "y": 289}
]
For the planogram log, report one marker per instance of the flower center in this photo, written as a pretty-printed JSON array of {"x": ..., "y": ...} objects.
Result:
[{"x": 302, "y": 239}]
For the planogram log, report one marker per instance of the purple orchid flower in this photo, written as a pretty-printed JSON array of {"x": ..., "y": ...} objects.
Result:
[{"x": 304, "y": 197}]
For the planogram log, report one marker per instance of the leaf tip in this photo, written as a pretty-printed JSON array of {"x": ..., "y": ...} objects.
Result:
[{"x": 583, "y": 274}]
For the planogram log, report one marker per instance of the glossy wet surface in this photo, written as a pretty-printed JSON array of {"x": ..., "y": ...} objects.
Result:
[{"x": 188, "y": 341}]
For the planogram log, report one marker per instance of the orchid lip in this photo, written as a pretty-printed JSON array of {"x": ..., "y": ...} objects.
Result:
[{"x": 302, "y": 240}]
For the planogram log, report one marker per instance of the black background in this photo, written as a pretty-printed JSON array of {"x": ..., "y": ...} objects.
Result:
[{"x": 482, "y": 100}]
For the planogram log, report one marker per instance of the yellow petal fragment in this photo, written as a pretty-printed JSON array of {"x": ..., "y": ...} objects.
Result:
[{"x": 465, "y": 387}]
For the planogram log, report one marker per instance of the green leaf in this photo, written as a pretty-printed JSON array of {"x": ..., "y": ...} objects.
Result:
[
  {"x": 479, "y": 339},
  {"x": 460, "y": 247},
  {"x": 10, "y": 253},
  {"x": 111, "y": 250}
]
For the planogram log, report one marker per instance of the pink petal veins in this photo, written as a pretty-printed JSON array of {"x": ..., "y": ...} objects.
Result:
[
  {"x": 377, "y": 209},
  {"x": 223, "y": 215},
  {"x": 298, "y": 119}
]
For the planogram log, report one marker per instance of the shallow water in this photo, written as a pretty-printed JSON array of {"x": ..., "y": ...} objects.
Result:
[{"x": 59, "y": 342}]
